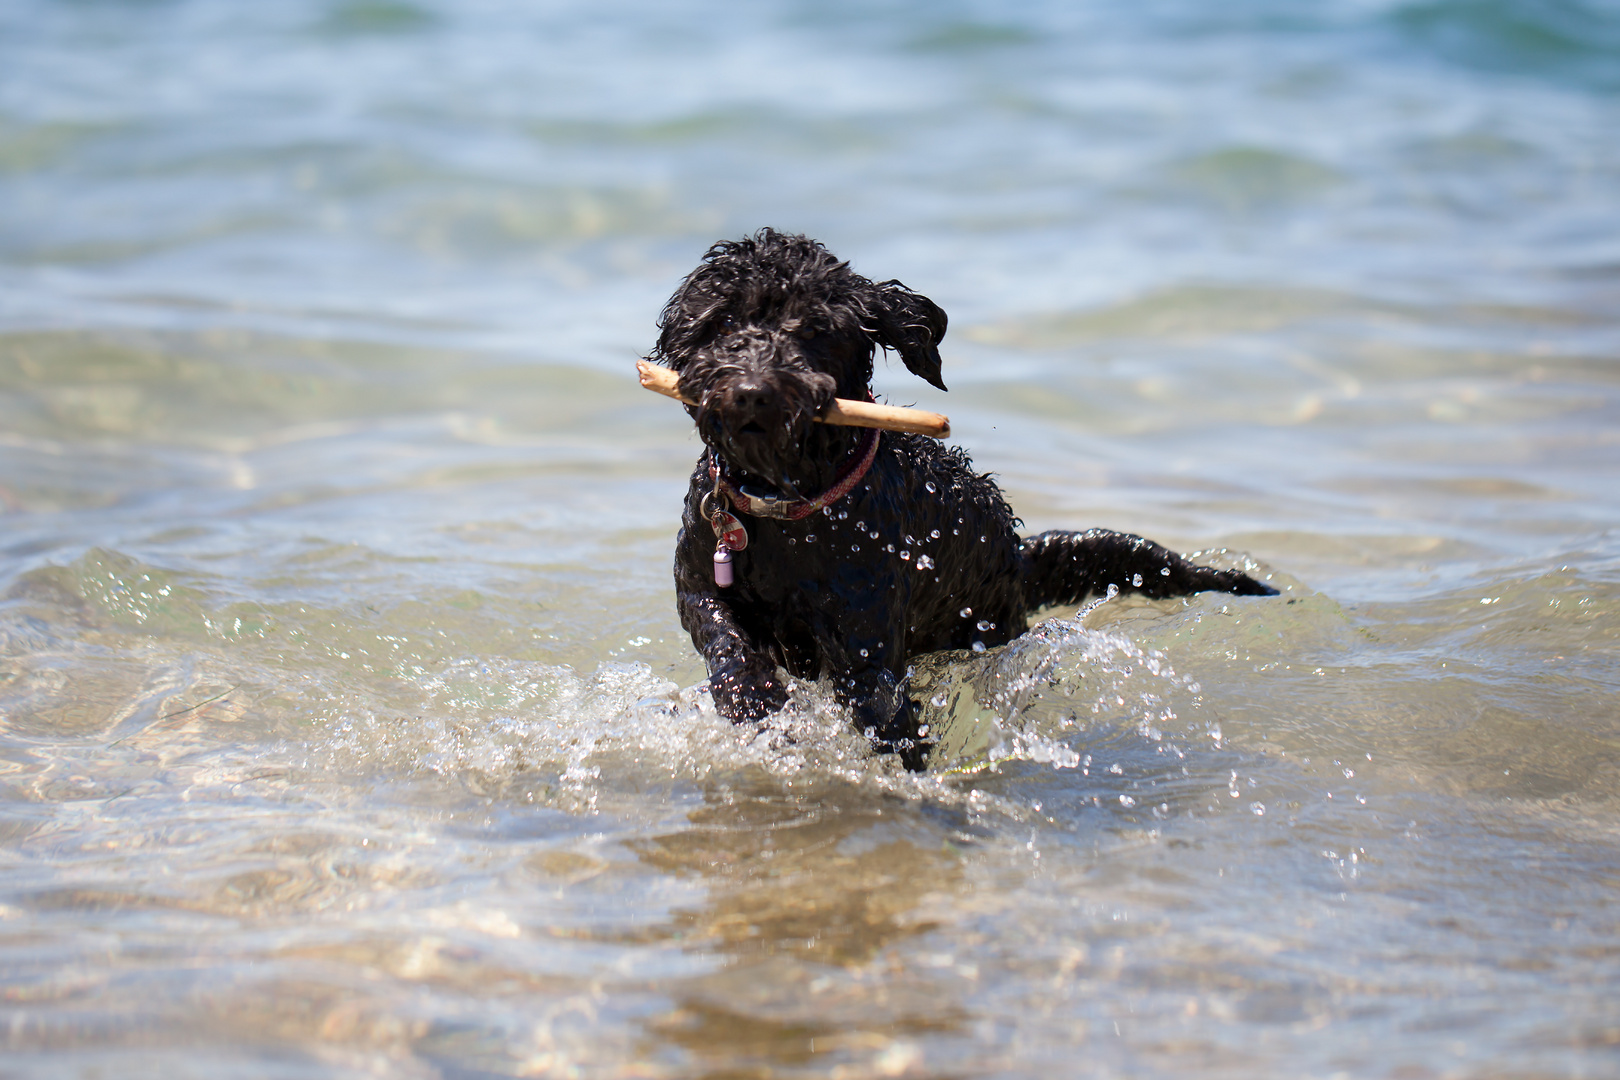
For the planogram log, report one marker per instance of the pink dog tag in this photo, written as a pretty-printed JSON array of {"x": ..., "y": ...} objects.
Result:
[{"x": 722, "y": 566}]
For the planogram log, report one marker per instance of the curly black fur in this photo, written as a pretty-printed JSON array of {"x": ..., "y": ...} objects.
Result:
[{"x": 921, "y": 555}]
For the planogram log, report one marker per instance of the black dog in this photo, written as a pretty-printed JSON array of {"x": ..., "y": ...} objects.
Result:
[{"x": 851, "y": 551}]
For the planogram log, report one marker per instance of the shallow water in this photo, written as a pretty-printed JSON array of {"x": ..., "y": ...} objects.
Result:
[{"x": 346, "y": 727}]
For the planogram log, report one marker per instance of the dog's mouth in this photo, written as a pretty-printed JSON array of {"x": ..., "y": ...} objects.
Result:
[
  {"x": 759, "y": 420},
  {"x": 772, "y": 449},
  {"x": 771, "y": 425},
  {"x": 769, "y": 450}
]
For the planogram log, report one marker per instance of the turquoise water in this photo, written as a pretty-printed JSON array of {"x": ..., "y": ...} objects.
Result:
[{"x": 346, "y": 727}]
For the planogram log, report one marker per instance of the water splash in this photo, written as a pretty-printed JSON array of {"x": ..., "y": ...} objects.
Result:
[
  {"x": 549, "y": 735},
  {"x": 1026, "y": 701}
]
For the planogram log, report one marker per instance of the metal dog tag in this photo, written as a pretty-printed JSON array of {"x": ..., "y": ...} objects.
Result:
[{"x": 728, "y": 530}]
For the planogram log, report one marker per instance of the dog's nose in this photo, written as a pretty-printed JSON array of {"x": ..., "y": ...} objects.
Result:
[{"x": 752, "y": 401}]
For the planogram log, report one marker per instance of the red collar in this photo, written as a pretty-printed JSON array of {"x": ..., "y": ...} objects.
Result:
[{"x": 795, "y": 509}]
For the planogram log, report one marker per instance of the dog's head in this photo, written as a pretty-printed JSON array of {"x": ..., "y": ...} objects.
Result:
[{"x": 768, "y": 330}]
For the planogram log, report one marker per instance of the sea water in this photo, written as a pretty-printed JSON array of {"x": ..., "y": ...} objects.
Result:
[{"x": 346, "y": 725}]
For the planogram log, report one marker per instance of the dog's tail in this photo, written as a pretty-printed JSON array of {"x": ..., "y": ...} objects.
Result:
[{"x": 1066, "y": 567}]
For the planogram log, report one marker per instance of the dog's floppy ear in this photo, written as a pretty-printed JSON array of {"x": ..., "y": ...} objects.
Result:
[{"x": 910, "y": 324}]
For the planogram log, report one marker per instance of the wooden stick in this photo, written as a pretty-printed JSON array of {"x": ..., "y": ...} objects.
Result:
[{"x": 661, "y": 380}]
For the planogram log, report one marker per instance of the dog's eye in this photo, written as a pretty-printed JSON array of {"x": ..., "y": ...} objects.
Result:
[{"x": 807, "y": 333}]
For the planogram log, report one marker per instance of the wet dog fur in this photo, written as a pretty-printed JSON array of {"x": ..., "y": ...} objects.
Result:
[{"x": 921, "y": 555}]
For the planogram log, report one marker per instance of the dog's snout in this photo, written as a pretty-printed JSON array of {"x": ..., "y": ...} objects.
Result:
[{"x": 751, "y": 400}]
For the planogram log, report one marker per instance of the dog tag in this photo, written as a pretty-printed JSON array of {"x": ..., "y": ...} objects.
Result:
[
  {"x": 728, "y": 530},
  {"x": 722, "y": 566}
]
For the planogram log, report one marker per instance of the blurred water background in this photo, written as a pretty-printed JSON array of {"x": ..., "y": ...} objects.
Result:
[{"x": 346, "y": 728}]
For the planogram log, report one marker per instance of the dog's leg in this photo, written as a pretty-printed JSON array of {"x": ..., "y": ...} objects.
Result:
[
  {"x": 869, "y": 651},
  {"x": 742, "y": 673},
  {"x": 1066, "y": 567},
  {"x": 741, "y": 661},
  {"x": 886, "y": 715}
]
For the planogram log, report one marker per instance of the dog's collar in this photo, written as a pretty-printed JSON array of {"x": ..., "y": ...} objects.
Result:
[{"x": 795, "y": 509}]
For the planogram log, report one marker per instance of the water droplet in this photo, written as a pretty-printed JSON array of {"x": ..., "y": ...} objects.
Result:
[
  {"x": 1126, "y": 800},
  {"x": 810, "y": 539},
  {"x": 922, "y": 729},
  {"x": 938, "y": 700},
  {"x": 985, "y": 624},
  {"x": 1165, "y": 572},
  {"x": 1258, "y": 809},
  {"x": 966, "y": 612},
  {"x": 924, "y": 562},
  {"x": 791, "y": 541},
  {"x": 978, "y": 646},
  {"x": 983, "y": 539},
  {"x": 861, "y": 525},
  {"x": 905, "y": 555},
  {"x": 854, "y": 547},
  {"x": 873, "y": 534},
  {"x": 1136, "y": 580},
  {"x": 889, "y": 548},
  {"x": 934, "y": 535},
  {"x": 930, "y": 486},
  {"x": 863, "y": 654},
  {"x": 843, "y": 515},
  {"x": 910, "y": 540}
]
